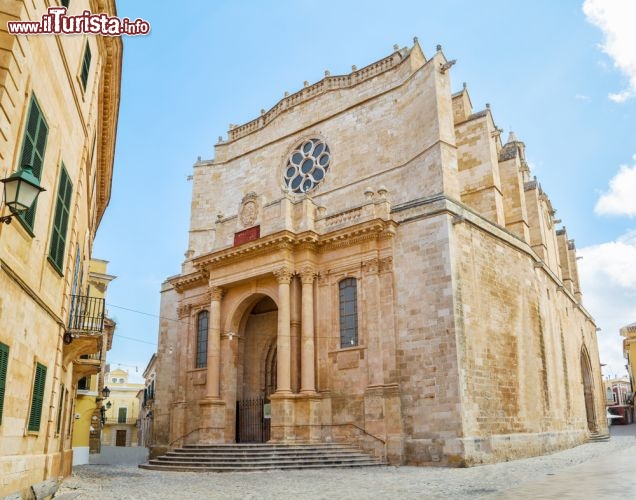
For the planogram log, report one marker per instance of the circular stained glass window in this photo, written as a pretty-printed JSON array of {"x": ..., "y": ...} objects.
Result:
[{"x": 307, "y": 166}]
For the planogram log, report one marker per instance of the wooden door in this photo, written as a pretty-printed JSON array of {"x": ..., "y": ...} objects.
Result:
[{"x": 120, "y": 438}]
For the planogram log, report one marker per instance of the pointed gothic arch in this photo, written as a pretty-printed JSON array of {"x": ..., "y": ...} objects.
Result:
[{"x": 588, "y": 390}]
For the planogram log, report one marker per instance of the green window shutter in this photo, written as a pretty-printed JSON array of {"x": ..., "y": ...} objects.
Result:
[
  {"x": 60, "y": 221},
  {"x": 65, "y": 3},
  {"x": 4, "y": 363},
  {"x": 33, "y": 146},
  {"x": 38, "y": 398},
  {"x": 86, "y": 65}
]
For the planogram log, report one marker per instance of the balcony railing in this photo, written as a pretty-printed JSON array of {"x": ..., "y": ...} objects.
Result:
[
  {"x": 95, "y": 356},
  {"x": 87, "y": 314},
  {"x": 120, "y": 421}
]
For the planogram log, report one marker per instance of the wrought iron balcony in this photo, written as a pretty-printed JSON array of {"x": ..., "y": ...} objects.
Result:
[
  {"x": 87, "y": 315},
  {"x": 84, "y": 334}
]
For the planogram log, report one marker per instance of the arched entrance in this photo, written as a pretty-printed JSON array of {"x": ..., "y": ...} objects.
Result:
[
  {"x": 256, "y": 372},
  {"x": 586, "y": 373}
]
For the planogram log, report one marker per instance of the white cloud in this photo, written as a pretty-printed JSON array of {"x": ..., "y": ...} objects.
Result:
[
  {"x": 608, "y": 282},
  {"x": 616, "y": 20},
  {"x": 621, "y": 197}
]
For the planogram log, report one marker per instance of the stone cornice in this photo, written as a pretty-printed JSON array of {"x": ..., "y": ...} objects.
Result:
[
  {"x": 327, "y": 84},
  {"x": 109, "y": 97},
  {"x": 187, "y": 281},
  {"x": 286, "y": 240}
]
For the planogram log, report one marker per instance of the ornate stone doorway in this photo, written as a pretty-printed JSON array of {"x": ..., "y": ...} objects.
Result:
[
  {"x": 257, "y": 372},
  {"x": 588, "y": 389}
]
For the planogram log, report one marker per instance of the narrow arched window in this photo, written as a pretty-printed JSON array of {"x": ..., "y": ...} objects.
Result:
[
  {"x": 202, "y": 339},
  {"x": 348, "y": 312}
]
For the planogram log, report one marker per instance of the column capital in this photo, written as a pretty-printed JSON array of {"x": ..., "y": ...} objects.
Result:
[
  {"x": 283, "y": 274},
  {"x": 184, "y": 311},
  {"x": 216, "y": 293},
  {"x": 307, "y": 274},
  {"x": 371, "y": 266}
]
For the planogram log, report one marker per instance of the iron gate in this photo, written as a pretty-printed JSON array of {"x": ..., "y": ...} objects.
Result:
[{"x": 252, "y": 426}]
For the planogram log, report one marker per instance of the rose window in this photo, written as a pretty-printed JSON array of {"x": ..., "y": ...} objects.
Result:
[{"x": 307, "y": 166}]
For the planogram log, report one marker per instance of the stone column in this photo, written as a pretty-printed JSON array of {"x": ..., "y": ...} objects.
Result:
[
  {"x": 307, "y": 364},
  {"x": 283, "y": 339},
  {"x": 296, "y": 314},
  {"x": 214, "y": 345}
]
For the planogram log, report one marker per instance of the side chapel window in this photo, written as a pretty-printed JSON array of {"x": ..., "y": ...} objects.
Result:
[
  {"x": 348, "y": 312},
  {"x": 202, "y": 340}
]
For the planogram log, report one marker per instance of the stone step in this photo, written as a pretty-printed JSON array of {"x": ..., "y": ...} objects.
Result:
[
  {"x": 263, "y": 453},
  {"x": 186, "y": 468},
  {"x": 256, "y": 447},
  {"x": 249, "y": 457},
  {"x": 229, "y": 459},
  {"x": 596, "y": 437},
  {"x": 252, "y": 461}
]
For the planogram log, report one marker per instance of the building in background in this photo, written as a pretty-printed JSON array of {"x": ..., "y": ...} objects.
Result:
[
  {"x": 623, "y": 389},
  {"x": 620, "y": 399},
  {"x": 147, "y": 404},
  {"x": 629, "y": 351},
  {"x": 121, "y": 422},
  {"x": 58, "y": 113},
  {"x": 370, "y": 263},
  {"x": 90, "y": 400}
]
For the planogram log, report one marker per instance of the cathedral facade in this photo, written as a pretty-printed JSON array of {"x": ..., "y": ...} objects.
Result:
[{"x": 369, "y": 263}]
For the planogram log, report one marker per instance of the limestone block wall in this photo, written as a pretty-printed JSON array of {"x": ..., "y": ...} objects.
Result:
[
  {"x": 426, "y": 350},
  {"x": 520, "y": 349},
  {"x": 478, "y": 168},
  {"x": 169, "y": 384},
  {"x": 512, "y": 171},
  {"x": 414, "y": 106}
]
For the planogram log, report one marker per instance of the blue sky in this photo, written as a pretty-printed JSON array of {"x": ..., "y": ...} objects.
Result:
[{"x": 562, "y": 79}]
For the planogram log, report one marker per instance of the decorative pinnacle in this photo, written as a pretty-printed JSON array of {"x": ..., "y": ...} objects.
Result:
[
  {"x": 354, "y": 67},
  {"x": 306, "y": 83},
  {"x": 487, "y": 105},
  {"x": 396, "y": 47},
  {"x": 439, "y": 48},
  {"x": 327, "y": 73},
  {"x": 415, "y": 40},
  {"x": 464, "y": 86}
]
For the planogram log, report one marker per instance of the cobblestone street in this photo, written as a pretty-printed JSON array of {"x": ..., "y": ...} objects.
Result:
[{"x": 595, "y": 470}]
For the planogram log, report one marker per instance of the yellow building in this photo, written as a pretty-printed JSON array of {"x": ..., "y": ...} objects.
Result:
[
  {"x": 88, "y": 403},
  {"x": 629, "y": 350},
  {"x": 121, "y": 423},
  {"x": 59, "y": 102}
]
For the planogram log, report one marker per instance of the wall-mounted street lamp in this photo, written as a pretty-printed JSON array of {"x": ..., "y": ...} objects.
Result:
[
  {"x": 105, "y": 394},
  {"x": 20, "y": 191}
]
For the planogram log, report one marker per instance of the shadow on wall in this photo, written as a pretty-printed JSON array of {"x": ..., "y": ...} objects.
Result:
[{"x": 120, "y": 455}]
